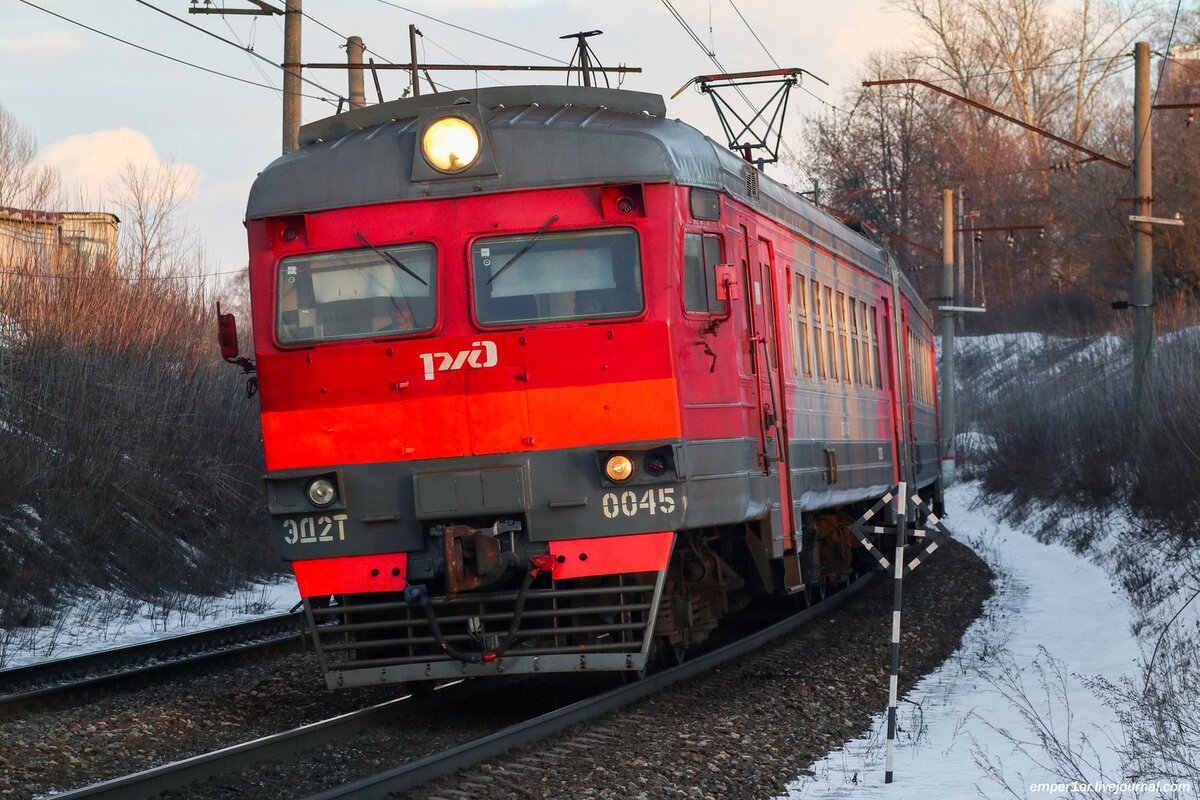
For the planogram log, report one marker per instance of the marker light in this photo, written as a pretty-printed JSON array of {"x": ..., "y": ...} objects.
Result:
[
  {"x": 321, "y": 492},
  {"x": 450, "y": 144},
  {"x": 618, "y": 468}
]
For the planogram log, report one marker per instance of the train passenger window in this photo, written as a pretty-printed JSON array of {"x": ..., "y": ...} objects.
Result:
[
  {"x": 818, "y": 331},
  {"x": 356, "y": 294},
  {"x": 557, "y": 276},
  {"x": 831, "y": 346},
  {"x": 855, "y": 340},
  {"x": 864, "y": 345},
  {"x": 801, "y": 343},
  {"x": 844, "y": 339},
  {"x": 701, "y": 254}
]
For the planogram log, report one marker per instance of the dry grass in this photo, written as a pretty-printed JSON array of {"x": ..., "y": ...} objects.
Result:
[
  {"x": 129, "y": 456},
  {"x": 1058, "y": 427}
]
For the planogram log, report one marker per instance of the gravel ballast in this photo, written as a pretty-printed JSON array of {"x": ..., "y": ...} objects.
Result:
[
  {"x": 745, "y": 730},
  {"x": 740, "y": 732}
]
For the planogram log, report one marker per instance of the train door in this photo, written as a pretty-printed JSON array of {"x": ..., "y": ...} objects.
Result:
[{"x": 762, "y": 313}]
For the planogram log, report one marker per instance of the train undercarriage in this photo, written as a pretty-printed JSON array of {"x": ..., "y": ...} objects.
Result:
[{"x": 496, "y": 606}]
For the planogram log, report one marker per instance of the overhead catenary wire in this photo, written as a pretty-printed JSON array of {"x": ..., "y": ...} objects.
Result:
[
  {"x": 231, "y": 43},
  {"x": 249, "y": 48},
  {"x": 473, "y": 32},
  {"x": 775, "y": 61},
  {"x": 713, "y": 57},
  {"x": 1162, "y": 67},
  {"x": 129, "y": 278},
  {"x": 753, "y": 33},
  {"x": 159, "y": 53},
  {"x": 459, "y": 59}
]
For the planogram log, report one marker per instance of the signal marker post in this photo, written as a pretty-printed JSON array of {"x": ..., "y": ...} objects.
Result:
[{"x": 933, "y": 532}]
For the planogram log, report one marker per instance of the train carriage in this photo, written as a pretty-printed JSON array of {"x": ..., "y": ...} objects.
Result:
[{"x": 550, "y": 382}]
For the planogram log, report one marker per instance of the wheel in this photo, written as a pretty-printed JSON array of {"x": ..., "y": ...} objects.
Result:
[{"x": 672, "y": 655}]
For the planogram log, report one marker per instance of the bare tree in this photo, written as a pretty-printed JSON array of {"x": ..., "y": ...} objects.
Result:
[
  {"x": 23, "y": 183},
  {"x": 1021, "y": 56},
  {"x": 154, "y": 231}
]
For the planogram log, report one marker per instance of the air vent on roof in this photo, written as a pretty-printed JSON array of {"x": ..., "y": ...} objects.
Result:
[{"x": 750, "y": 177}]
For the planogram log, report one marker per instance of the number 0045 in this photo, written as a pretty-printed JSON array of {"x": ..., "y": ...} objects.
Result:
[{"x": 631, "y": 503}]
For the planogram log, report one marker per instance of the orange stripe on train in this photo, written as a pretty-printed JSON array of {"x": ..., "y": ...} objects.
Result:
[{"x": 452, "y": 425}]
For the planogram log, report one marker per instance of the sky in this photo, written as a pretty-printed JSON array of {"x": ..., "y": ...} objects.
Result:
[{"x": 98, "y": 104}]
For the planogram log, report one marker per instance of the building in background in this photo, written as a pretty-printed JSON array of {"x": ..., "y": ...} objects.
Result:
[{"x": 58, "y": 242}]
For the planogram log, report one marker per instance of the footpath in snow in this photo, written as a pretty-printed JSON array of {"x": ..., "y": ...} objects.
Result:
[{"x": 978, "y": 726}]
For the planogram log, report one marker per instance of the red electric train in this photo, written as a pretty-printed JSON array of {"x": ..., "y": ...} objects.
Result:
[{"x": 550, "y": 382}]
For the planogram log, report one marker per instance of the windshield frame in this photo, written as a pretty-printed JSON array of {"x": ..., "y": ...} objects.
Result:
[
  {"x": 550, "y": 235},
  {"x": 432, "y": 303}
]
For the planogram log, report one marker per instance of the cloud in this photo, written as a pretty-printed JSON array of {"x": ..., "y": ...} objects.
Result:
[
  {"x": 43, "y": 46},
  {"x": 91, "y": 163}
]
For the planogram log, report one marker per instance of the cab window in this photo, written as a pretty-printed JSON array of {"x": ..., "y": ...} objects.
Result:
[
  {"x": 554, "y": 277},
  {"x": 356, "y": 294}
]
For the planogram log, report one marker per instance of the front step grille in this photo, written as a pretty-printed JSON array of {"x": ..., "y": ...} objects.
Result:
[{"x": 590, "y": 617}]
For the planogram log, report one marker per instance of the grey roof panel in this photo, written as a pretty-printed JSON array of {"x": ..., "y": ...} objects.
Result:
[{"x": 539, "y": 137}]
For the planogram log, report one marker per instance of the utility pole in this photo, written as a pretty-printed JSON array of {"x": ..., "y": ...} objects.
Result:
[
  {"x": 947, "y": 321},
  {"x": 354, "y": 55},
  {"x": 291, "y": 75},
  {"x": 1142, "y": 296},
  {"x": 412, "y": 47},
  {"x": 960, "y": 291}
]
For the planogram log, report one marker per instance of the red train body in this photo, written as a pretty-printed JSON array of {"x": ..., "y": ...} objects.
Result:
[{"x": 563, "y": 407}]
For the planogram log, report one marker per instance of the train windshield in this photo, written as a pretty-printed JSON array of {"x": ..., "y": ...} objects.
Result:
[
  {"x": 356, "y": 294},
  {"x": 551, "y": 277}
]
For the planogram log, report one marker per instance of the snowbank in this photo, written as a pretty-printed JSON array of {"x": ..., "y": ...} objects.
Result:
[{"x": 1012, "y": 708}]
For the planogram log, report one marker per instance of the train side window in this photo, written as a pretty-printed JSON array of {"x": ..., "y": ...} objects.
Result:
[
  {"x": 855, "y": 339},
  {"x": 910, "y": 341},
  {"x": 818, "y": 331},
  {"x": 801, "y": 345},
  {"x": 831, "y": 333},
  {"x": 705, "y": 203},
  {"x": 843, "y": 326},
  {"x": 864, "y": 343},
  {"x": 701, "y": 254}
]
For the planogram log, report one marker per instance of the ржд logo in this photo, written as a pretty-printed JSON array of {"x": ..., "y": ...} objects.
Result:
[{"x": 480, "y": 355}]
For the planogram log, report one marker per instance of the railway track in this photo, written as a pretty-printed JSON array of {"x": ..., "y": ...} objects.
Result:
[
  {"x": 178, "y": 776},
  {"x": 22, "y": 688}
]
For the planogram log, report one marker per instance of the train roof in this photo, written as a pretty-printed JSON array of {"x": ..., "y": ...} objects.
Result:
[{"x": 536, "y": 137}]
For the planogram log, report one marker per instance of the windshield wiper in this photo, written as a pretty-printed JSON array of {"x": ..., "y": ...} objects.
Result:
[
  {"x": 525, "y": 248},
  {"x": 391, "y": 258}
]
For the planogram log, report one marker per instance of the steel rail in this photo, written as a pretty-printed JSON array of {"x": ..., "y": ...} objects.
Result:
[
  {"x": 179, "y": 775},
  {"x": 25, "y": 686},
  {"x": 414, "y": 773}
]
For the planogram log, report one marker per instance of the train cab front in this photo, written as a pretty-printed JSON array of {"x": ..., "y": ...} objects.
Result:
[
  {"x": 471, "y": 426},
  {"x": 491, "y": 568},
  {"x": 467, "y": 384}
]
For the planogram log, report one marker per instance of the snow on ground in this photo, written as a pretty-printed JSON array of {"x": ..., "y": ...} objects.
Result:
[
  {"x": 978, "y": 726},
  {"x": 105, "y": 620}
]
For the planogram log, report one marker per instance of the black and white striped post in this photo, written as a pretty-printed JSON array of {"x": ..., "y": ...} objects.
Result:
[
  {"x": 932, "y": 531},
  {"x": 897, "y": 604}
]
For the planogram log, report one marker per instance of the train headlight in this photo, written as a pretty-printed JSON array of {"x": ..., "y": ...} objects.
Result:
[
  {"x": 321, "y": 492},
  {"x": 618, "y": 468},
  {"x": 450, "y": 144}
]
